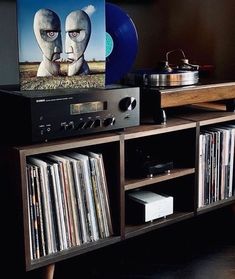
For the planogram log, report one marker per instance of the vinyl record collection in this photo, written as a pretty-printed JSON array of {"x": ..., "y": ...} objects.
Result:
[
  {"x": 216, "y": 163},
  {"x": 68, "y": 201}
]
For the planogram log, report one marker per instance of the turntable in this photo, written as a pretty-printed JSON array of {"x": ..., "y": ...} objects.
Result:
[
  {"x": 165, "y": 74},
  {"x": 169, "y": 86}
]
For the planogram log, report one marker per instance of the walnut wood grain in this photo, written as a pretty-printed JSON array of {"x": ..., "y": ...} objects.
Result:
[
  {"x": 48, "y": 271},
  {"x": 196, "y": 94},
  {"x": 175, "y": 173}
]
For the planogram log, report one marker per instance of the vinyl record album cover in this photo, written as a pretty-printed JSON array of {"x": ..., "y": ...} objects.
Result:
[{"x": 61, "y": 44}]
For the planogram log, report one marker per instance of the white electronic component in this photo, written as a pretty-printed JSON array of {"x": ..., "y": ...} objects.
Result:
[{"x": 150, "y": 205}]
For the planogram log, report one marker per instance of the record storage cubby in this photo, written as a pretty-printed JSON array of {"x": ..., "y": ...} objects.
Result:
[
  {"x": 164, "y": 145},
  {"x": 106, "y": 145},
  {"x": 178, "y": 141}
]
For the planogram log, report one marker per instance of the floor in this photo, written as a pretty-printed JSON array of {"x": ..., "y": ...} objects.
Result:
[{"x": 202, "y": 248}]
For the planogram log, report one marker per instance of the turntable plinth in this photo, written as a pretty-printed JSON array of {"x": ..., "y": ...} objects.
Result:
[{"x": 157, "y": 100}]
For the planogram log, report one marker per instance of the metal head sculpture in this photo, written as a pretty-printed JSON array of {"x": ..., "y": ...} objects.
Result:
[
  {"x": 78, "y": 31},
  {"x": 47, "y": 29}
]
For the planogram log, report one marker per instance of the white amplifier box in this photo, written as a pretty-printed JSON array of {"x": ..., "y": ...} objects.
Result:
[{"x": 147, "y": 206}]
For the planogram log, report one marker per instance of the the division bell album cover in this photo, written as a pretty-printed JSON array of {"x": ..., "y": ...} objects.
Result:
[{"x": 61, "y": 43}]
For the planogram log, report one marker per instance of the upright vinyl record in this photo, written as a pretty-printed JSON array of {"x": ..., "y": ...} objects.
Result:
[{"x": 121, "y": 43}]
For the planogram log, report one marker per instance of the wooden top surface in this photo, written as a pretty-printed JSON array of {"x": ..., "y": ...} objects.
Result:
[{"x": 196, "y": 94}]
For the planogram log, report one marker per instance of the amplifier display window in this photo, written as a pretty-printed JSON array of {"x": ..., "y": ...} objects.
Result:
[{"x": 87, "y": 107}]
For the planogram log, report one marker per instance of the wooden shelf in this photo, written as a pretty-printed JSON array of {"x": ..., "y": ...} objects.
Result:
[
  {"x": 72, "y": 252},
  {"x": 131, "y": 184},
  {"x": 144, "y": 130},
  {"x": 215, "y": 205},
  {"x": 134, "y": 230},
  {"x": 78, "y": 142},
  {"x": 207, "y": 114}
]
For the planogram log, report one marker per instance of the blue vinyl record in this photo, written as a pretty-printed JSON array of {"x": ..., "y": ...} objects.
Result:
[{"x": 121, "y": 43}]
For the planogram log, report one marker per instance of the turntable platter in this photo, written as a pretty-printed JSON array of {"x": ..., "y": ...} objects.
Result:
[
  {"x": 172, "y": 79},
  {"x": 152, "y": 78}
]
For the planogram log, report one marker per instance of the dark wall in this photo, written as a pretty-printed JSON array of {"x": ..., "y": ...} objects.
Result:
[
  {"x": 204, "y": 29},
  {"x": 9, "y": 74}
]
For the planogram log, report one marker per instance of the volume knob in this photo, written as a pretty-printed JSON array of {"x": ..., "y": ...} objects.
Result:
[{"x": 127, "y": 103}]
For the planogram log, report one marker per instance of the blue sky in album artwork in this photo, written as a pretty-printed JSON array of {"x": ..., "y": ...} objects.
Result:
[{"x": 28, "y": 47}]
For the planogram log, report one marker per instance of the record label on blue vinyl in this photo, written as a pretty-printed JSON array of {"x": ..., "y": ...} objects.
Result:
[
  {"x": 122, "y": 43},
  {"x": 109, "y": 44}
]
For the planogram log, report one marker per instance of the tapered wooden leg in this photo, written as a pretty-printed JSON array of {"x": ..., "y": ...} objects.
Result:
[{"x": 48, "y": 271}]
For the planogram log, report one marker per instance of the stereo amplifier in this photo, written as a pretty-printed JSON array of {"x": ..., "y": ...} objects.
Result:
[{"x": 38, "y": 116}]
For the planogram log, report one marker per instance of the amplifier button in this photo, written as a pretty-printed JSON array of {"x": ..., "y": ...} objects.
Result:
[{"x": 109, "y": 121}]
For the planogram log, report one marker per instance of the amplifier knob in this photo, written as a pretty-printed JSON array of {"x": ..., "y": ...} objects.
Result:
[
  {"x": 128, "y": 103},
  {"x": 71, "y": 125},
  {"x": 97, "y": 123},
  {"x": 64, "y": 126},
  {"x": 89, "y": 124},
  {"x": 81, "y": 125},
  {"x": 109, "y": 121}
]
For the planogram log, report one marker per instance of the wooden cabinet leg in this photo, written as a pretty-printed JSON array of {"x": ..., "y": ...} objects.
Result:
[{"x": 48, "y": 271}]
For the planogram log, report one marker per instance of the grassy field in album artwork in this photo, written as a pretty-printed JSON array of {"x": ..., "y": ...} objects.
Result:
[{"x": 30, "y": 81}]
